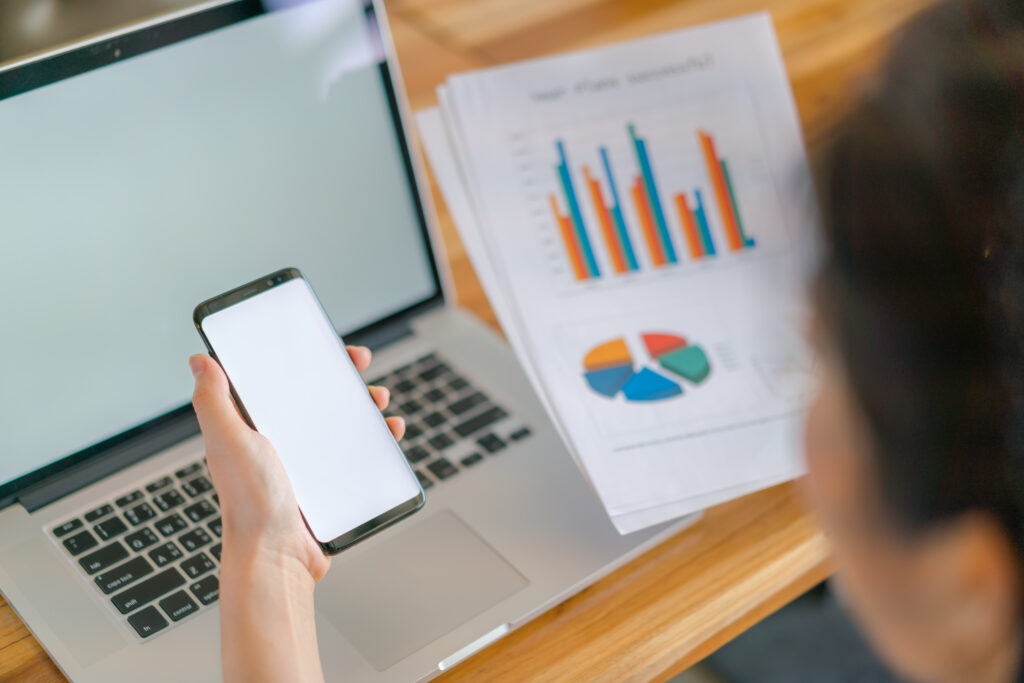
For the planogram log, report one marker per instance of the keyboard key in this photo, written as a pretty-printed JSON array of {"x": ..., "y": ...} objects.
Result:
[
  {"x": 206, "y": 590},
  {"x": 442, "y": 469},
  {"x": 197, "y": 565},
  {"x": 412, "y": 431},
  {"x": 376, "y": 381},
  {"x": 404, "y": 386},
  {"x": 103, "y": 558},
  {"x": 429, "y": 358},
  {"x": 200, "y": 511},
  {"x": 128, "y": 499},
  {"x": 458, "y": 384},
  {"x": 101, "y": 511},
  {"x": 178, "y": 606},
  {"x": 520, "y": 434},
  {"x": 139, "y": 514},
  {"x": 434, "y": 395},
  {"x": 197, "y": 486},
  {"x": 405, "y": 368},
  {"x": 430, "y": 374},
  {"x": 194, "y": 539},
  {"x": 170, "y": 525},
  {"x": 471, "y": 459},
  {"x": 147, "y": 622},
  {"x": 215, "y": 551},
  {"x": 491, "y": 443},
  {"x": 166, "y": 553},
  {"x": 410, "y": 407},
  {"x": 148, "y": 590},
  {"x": 441, "y": 441},
  {"x": 143, "y": 538},
  {"x": 166, "y": 501},
  {"x": 110, "y": 528},
  {"x": 435, "y": 419},
  {"x": 466, "y": 404},
  {"x": 121, "y": 576},
  {"x": 80, "y": 542},
  {"x": 424, "y": 480},
  {"x": 417, "y": 454},
  {"x": 216, "y": 499},
  {"x": 189, "y": 471},
  {"x": 67, "y": 527},
  {"x": 217, "y": 527},
  {"x": 484, "y": 419},
  {"x": 161, "y": 483}
]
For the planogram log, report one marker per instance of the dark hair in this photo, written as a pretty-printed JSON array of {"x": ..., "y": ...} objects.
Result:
[{"x": 921, "y": 285}]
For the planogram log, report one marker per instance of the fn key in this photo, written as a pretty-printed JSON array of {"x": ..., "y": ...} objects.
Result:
[{"x": 147, "y": 622}]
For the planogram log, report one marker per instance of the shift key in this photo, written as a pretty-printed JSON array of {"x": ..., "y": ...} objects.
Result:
[{"x": 148, "y": 590}]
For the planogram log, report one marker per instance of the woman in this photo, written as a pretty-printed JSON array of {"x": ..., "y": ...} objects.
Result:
[{"x": 915, "y": 444}]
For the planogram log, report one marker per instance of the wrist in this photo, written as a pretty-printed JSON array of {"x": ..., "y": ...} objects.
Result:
[{"x": 266, "y": 558}]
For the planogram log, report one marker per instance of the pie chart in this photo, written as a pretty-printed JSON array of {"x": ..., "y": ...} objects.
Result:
[{"x": 610, "y": 369}]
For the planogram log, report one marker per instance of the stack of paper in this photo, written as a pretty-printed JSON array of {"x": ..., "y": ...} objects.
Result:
[{"x": 639, "y": 218}]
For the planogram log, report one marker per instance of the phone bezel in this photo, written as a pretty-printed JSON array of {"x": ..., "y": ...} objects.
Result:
[{"x": 255, "y": 288}]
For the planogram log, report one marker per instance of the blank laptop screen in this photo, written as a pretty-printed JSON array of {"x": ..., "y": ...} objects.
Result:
[{"x": 130, "y": 193}]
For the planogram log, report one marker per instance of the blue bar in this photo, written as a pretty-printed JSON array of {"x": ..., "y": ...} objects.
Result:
[
  {"x": 574, "y": 209},
  {"x": 702, "y": 223},
  {"x": 652, "y": 194},
  {"x": 620, "y": 223}
]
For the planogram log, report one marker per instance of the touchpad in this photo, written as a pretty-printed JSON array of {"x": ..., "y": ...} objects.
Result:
[{"x": 391, "y": 599}]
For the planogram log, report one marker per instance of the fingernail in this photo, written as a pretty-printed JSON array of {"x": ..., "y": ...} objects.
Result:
[{"x": 197, "y": 365}]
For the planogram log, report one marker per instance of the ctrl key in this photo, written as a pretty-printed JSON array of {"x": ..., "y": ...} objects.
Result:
[{"x": 147, "y": 622}]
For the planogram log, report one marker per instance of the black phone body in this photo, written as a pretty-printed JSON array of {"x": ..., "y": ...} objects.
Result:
[{"x": 294, "y": 382}]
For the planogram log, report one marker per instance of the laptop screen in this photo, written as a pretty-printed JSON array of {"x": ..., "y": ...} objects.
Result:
[{"x": 131, "y": 192}]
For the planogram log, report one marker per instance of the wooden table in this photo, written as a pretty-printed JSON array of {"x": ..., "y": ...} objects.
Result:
[{"x": 679, "y": 602}]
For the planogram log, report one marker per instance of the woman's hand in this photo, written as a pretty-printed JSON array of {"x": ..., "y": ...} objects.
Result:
[
  {"x": 258, "y": 506},
  {"x": 269, "y": 561}
]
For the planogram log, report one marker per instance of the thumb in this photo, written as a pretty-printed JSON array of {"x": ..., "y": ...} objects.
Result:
[{"x": 218, "y": 417}]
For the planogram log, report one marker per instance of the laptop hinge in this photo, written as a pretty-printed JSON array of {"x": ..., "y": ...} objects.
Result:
[
  {"x": 68, "y": 481},
  {"x": 119, "y": 457},
  {"x": 382, "y": 335}
]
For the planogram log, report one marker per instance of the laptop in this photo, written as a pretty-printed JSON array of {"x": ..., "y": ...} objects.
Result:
[{"x": 145, "y": 170}]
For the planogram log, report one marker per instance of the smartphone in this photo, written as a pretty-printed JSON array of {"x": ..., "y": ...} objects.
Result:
[{"x": 294, "y": 382}]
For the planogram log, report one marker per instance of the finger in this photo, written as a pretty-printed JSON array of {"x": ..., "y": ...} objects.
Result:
[
  {"x": 397, "y": 427},
  {"x": 212, "y": 401},
  {"x": 381, "y": 396},
  {"x": 360, "y": 355}
]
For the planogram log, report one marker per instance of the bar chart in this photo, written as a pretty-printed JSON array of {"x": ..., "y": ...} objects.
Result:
[{"x": 669, "y": 228}]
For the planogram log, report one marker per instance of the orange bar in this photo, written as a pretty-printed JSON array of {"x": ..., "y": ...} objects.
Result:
[
  {"x": 647, "y": 221},
  {"x": 571, "y": 246},
  {"x": 610, "y": 238},
  {"x": 689, "y": 228},
  {"x": 732, "y": 228}
]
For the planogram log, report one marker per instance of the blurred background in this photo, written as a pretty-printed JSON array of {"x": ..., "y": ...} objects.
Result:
[{"x": 31, "y": 26}]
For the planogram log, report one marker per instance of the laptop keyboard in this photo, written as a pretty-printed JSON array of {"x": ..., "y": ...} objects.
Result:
[
  {"x": 154, "y": 550},
  {"x": 449, "y": 424}
]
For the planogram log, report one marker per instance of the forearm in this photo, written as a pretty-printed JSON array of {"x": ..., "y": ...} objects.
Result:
[{"x": 268, "y": 629}]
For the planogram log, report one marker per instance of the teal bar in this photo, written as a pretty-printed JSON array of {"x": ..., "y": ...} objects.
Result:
[
  {"x": 620, "y": 223},
  {"x": 701, "y": 216},
  {"x": 747, "y": 242},
  {"x": 652, "y": 194},
  {"x": 574, "y": 210}
]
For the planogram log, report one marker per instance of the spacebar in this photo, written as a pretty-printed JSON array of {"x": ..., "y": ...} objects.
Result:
[
  {"x": 148, "y": 590},
  {"x": 482, "y": 420}
]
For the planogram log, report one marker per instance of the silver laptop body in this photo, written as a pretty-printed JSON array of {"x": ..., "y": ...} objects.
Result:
[{"x": 509, "y": 529}]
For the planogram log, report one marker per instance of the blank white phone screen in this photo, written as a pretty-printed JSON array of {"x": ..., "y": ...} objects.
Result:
[{"x": 295, "y": 379}]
